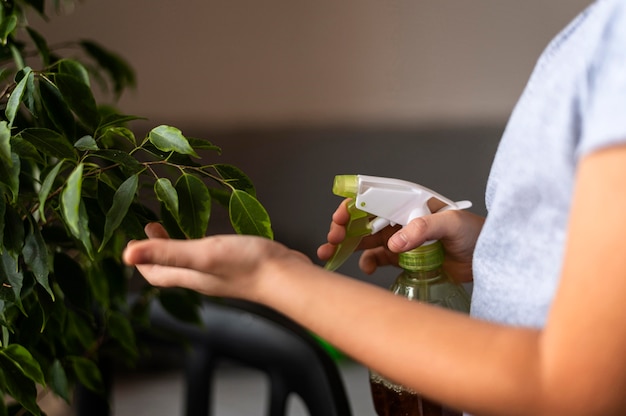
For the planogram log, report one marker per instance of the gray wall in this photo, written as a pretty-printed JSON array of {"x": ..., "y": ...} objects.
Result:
[{"x": 225, "y": 63}]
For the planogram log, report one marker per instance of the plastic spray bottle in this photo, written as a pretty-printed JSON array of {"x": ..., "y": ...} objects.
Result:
[{"x": 392, "y": 201}]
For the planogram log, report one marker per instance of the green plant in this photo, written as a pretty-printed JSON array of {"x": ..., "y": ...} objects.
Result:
[{"x": 75, "y": 186}]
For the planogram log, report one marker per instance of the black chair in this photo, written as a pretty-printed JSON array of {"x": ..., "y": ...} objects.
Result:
[{"x": 260, "y": 338}]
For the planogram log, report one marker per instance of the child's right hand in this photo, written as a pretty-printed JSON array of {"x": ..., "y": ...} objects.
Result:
[{"x": 457, "y": 230}]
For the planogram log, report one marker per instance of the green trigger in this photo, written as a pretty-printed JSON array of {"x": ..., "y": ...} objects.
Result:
[{"x": 357, "y": 228}]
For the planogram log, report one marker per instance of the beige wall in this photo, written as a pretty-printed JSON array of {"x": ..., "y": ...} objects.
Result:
[{"x": 319, "y": 62}]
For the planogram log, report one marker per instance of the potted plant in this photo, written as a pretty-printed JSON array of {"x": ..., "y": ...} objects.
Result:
[{"x": 75, "y": 186}]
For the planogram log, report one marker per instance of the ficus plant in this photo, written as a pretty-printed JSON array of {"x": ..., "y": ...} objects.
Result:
[{"x": 75, "y": 185}]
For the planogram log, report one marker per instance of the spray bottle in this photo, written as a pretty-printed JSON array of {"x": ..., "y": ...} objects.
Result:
[{"x": 390, "y": 202}]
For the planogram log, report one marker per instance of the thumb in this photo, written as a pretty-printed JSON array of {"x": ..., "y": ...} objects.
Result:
[
  {"x": 419, "y": 230},
  {"x": 410, "y": 236}
]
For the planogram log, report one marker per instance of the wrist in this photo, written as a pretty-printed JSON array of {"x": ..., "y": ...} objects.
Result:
[{"x": 279, "y": 275}]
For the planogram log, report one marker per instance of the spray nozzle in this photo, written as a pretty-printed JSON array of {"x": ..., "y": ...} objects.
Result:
[
  {"x": 346, "y": 185},
  {"x": 390, "y": 201}
]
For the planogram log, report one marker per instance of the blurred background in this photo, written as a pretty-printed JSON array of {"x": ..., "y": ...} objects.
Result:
[
  {"x": 296, "y": 91},
  {"x": 231, "y": 64}
]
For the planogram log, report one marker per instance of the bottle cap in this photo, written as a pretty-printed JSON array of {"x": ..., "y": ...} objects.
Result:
[{"x": 426, "y": 257}]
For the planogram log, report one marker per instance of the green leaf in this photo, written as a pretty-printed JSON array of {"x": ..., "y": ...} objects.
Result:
[
  {"x": 116, "y": 120},
  {"x": 17, "y": 57},
  {"x": 7, "y": 26},
  {"x": 121, "y": 74},
  {"x": 49, "y": 142},
  {"x": 16, "y": 96},
  {"x": 75, "y": 69},
  {"x": 222, "y": 196},
  {"x": 57, "y": 108},
  {"x": 14, "y": 277},
  {"x": 20, "y": 387},
  {"x": 13, "y": 230},
  {"x": 166, "y": 193},
  {"x": 25, "y": 362},
  {"x": 58, "y": 381},
  {"x": 71, "y": 199},
  {"x": 86, "y": 143},
  {"x": 29, "y": 94},
  {"x": 50, "y": 312},
  {"x": 85, "y": 235},
  {"x": 79, "y": 329},
  {"x": 46, "y": 187},
  {"x": 121, "y": 331},
  {"x": 170, "y": 139},
  {"x": 79, "y": 98},
  {"x": 35, "y": 254},
  {"x": 37, "y": 5},
  {"x": 75, "y": 212},
  {"x": 121, "y": 202},
  {"x": 87, "y": 373},
  {"x": 126, "y": 161},
  {"x": 202, "y": 144},
  {"x": 112, "y": 133},
  {"x": 194, "y": 202},
  {"x": 72, "y": 281},
  {"x": 3, "y": 208},
  {"x": 248, "y": 216},
  {"x": 171, "y": 224},
  {"x": 5, "y": 335},
  {"x": 235, "y": 178},
  {"x": 26, "y": 150},
  {"x": 10, "y": 176},
  {"x": 117, "y": 278},
  {"x": 40, "y": 43},
  {"x": 98, "y": 283},
  {"x": 31, "y": 327},
  {"x": 5, "y": 143}
]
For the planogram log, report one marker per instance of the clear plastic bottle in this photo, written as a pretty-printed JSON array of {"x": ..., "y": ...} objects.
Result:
[{"x": 423, "y": 280}]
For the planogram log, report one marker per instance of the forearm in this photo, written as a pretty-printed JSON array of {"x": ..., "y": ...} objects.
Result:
[{"x": 465, "y": 363}]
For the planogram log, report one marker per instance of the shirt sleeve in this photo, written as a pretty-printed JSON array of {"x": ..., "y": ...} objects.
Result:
[{"x": 604, "y": 107}]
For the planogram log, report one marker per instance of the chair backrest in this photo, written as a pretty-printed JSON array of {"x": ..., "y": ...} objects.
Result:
[{"x": 261, "y": 338}]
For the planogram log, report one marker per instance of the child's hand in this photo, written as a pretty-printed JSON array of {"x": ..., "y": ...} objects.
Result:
[
  {"x": 228, "y": 265},
  {"x": 456, "y": 229}
]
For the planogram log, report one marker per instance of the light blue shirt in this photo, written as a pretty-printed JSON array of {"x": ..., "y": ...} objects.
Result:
[{"x": 573, "y": 104}]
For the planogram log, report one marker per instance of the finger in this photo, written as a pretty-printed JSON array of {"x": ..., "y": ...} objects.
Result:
[
  {"x": 202, "y": 255},
  {"x": 326, "y": 251},
  {"x": 379, "y": 239},
  {"x": 420, "y": 230},
  {"x": 164, "y": 276},
  {"x": 374, "y": 258},
  {"x": 341, "y": 215},
  {"x": 155, "y": 230},
  {"x": 336, "y": 234}
]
